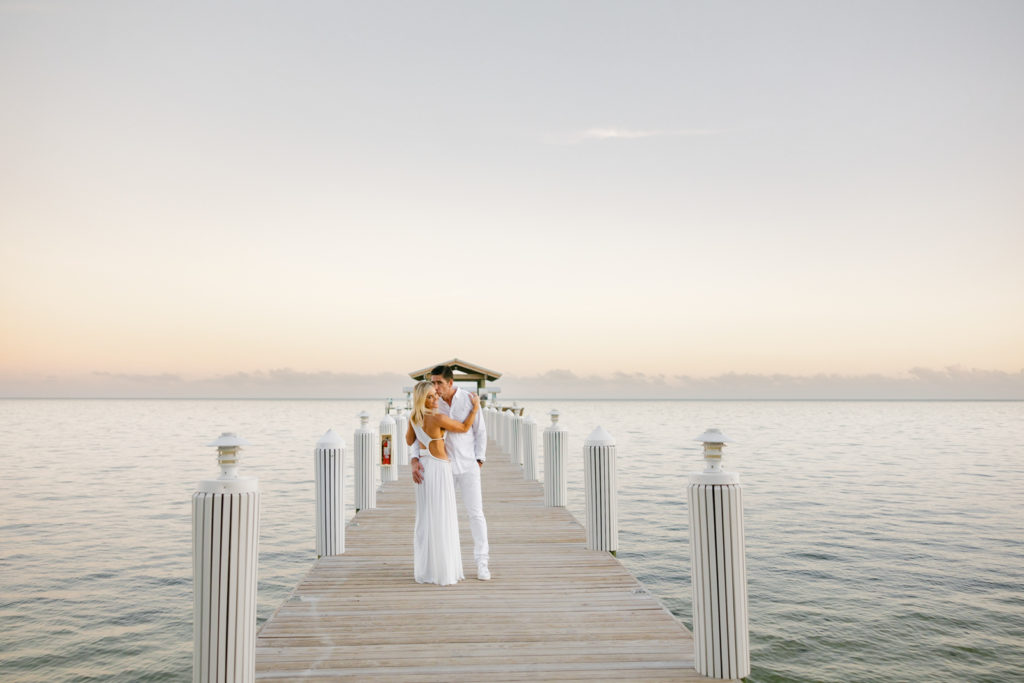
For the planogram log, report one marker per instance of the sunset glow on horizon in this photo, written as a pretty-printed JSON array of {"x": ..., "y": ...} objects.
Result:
[{"x": 670, "y": 189}]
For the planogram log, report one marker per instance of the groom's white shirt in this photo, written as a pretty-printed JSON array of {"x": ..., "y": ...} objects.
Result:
[{"x": 464, "y": 448}]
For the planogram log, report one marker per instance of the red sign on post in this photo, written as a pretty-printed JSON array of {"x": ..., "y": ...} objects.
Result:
[{"x": 385, "y": 449}]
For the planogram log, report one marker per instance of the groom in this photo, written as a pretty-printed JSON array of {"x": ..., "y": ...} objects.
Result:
[{"x": 466, "y": 452}]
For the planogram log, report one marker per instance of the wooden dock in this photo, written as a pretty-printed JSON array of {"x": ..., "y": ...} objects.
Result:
[{"x": 553, "y": 610}]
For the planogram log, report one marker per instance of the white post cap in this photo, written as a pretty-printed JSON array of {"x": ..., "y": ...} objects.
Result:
[
  {"x": 713, "y": 435},
  {"x": 714, "y": 440},
  {"x": 387, "y": 420},
  {"x": 599, "y": 437},
  {"x": 228, "y": 444},
  {"x": 227, "y": 440},
  {"x": 364, "y": 418},
  {"x": 331, "y": 439}
]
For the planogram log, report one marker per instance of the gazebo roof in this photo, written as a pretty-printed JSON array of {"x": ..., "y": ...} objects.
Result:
[{"x": 470, "y": 372}]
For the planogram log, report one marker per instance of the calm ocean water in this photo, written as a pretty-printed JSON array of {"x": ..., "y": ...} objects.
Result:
[{"x": 885, "y": 540}]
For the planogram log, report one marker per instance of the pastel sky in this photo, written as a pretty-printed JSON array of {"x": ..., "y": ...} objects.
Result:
[{"x": 196, "y": 198}]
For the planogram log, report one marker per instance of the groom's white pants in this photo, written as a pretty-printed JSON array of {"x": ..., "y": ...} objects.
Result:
[{"x": 468, "y": 484}]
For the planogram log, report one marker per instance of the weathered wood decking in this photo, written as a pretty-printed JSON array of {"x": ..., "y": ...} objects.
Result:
[{"x": 553, "y": 610}]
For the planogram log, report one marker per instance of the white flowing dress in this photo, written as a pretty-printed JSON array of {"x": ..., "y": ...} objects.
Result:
[{"x": 437, "y": 555}]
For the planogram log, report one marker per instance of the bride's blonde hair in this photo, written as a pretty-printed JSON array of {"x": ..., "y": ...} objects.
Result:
[{"x": 419, "y": 401}]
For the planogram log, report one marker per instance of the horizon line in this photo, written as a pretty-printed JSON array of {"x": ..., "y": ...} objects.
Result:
[{"x": 889, "y": 399}]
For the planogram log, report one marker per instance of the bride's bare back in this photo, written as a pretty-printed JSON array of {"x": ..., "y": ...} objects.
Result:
[{"x": 435, "y": 424}]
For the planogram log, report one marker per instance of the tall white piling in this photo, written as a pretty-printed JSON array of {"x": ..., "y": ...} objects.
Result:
[
  {"x": 401, "y": 426},
  {"x": 503, "y": 424},
  {"x": 225, "y": 550},
  {"x": 329, "y": 465},
  {"x": 718, "y": 556},
  {"x": 556, "y": 439},
  {"x": 529, "y": 448},
  {"x": 601, "y": 489},
  {"x": 364, "y": 467},
  {"x": 387, "y": 457},
  {"x": 506, "y": 432},
  {"x": 516, "y": 438},
  {"x": 489, "y": 421}
]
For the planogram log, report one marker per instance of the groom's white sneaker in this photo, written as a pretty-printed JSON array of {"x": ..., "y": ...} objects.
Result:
[{"x": 482, "y": 572}]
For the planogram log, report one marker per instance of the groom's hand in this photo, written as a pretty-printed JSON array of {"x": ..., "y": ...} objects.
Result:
[{"x": 417, "y": 471}]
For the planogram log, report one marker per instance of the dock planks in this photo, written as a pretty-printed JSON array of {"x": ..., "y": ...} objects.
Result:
[{"x": 553, "y": 610}]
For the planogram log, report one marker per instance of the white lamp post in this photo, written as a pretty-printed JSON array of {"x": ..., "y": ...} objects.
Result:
[
  {"x": 718, "y": 557},
  {"x": 225, "y": 550}
]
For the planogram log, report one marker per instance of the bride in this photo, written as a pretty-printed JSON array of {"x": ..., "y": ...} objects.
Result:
[{"x": 437, "y": 556}]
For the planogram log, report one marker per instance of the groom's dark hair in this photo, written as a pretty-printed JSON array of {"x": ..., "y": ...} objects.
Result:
[{"x": 445, "y": 371}]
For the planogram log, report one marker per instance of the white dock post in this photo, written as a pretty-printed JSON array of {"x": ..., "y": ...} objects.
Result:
[
  {"x": 388, "y": 458},
  {"x": 401, "y": 426},
  {"x": 517, "y": 439},
  {"x": 506, "y": 433},
  {"x": 529, "y": 448},
  {"x": 555, "y": 444},
  {"x": 721, "y": 636},
  {"x": 365, "y": 476},
  {"x": 225, "y": 549},
  {"x": 492, "y": 423},
  {"x": 600, "y": 483},
  {"x": 329, "y": 464},
  {"x": 499, "y": 422}
]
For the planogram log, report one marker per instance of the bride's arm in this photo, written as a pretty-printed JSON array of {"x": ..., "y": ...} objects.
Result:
[
  {"x": 414, "y": 457},
  {"x": 464, "y": 426}
]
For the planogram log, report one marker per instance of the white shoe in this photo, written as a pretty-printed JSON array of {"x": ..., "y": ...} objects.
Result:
[{"x": 482, "y": 572}]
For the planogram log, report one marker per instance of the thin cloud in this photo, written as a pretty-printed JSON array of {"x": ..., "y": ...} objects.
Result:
[
  {"x": 612, "y": 133},
  {"x": 618, "y": 133},
  {"x": 916, "y": 384},
  {"x": 137, "y": 378}
]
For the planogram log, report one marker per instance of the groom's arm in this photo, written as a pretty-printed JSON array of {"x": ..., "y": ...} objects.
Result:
[{"x": 480, "y": 438}]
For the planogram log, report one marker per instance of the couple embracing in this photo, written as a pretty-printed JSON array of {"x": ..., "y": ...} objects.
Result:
[{"x": 448, "y": 450}]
